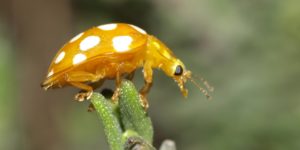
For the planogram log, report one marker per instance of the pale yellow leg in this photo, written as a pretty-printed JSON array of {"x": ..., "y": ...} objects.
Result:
[
  {"x": 124, "y": 67},
  {"x": 77, "y": 79},
  {"x": 117, "y": 90},
  {"x": 148, "y": 73},
  {"x": 82, "y": 95}
]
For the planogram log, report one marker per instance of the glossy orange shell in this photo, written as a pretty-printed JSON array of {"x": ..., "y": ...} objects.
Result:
[
  {"x": 97, "y": 49},
  {"x": 112, "y": 51}
]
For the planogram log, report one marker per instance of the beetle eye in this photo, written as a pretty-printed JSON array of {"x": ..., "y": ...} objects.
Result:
[{"x": 178, "y": 71}]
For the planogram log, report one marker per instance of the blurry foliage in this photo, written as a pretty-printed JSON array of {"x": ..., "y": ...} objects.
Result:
[
  {"x": 7, "y": 98},
  {"x": 248, "y": 50},
  {"x": 105, "y": 11}
]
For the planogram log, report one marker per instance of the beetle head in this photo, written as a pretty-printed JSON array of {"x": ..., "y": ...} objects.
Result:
[
  {"x": 173, "y": 67},
  {"x": 181, "y": 75}
]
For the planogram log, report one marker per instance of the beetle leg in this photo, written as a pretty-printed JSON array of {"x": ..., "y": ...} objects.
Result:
[
  {"x": 130, "y": 75},
  {"x": 117, "y": 90},
  {"x": 148, "y": 83},
  {"x": 82, "y": 95},
  {"x": 95, "y": 85},
  {"x": 77, "y": 78}
]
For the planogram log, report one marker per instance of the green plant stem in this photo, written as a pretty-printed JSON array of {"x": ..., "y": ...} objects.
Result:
[
  {"x": 126, "y": 124},
  {"x": 111, "y": 124},
  {"x": 132, "y": 113}
]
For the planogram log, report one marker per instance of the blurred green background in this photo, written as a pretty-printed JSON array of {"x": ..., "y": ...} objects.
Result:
[{"x": 248, "y": 50}]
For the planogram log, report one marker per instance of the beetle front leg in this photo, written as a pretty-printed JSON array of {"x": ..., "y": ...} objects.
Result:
[{"x": 148, "y": 73}]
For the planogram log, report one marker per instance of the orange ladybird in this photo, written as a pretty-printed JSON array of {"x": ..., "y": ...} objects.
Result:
[{"x": 112, "y": 51}]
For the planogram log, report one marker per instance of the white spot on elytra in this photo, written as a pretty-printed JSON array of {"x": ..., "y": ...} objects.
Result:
[
  {"x": 122, "y": 43},
  {"x": 78, "y": 58},
  {"x": 76, "y": 37},
  {"x": 138, "y": 29},
  {"x": 111, "y": 26},
  {"x": 60, "y": 57},
  {"x": 89, "y": 42},
  {"x": 50, "y": 73}
]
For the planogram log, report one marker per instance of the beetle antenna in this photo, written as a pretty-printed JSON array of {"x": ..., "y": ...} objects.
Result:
[
  {"x": 204, "y": 91},
  {"x": 205, "y": 82}
]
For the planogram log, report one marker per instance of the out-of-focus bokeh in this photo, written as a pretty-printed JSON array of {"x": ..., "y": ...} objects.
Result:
[{"x": 248, "y": 50}]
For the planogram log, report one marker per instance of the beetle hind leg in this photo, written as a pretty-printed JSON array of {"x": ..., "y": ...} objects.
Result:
[
  {"x": 78, "y": 79},
  {"x": 81, "y": 96}
]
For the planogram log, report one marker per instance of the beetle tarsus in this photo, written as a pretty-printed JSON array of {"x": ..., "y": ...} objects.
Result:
[
  {"x": 144, "y": 102},
  {"x": 115, "y": 96},
  {"x": 83, "y": 96}
]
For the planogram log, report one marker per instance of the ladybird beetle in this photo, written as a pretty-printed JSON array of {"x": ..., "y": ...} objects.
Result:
[{"x": 112, "y": 51}]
